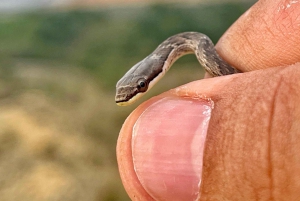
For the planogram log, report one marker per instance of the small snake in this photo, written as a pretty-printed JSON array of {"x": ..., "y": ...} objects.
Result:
[{"x": 142, "y": 76}]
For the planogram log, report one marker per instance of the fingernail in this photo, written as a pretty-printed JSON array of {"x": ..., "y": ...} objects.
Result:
[{"x": 167, "y": 147}]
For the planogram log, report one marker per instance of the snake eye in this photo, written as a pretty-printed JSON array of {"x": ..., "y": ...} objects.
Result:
[{"x": 142, "y": 85}]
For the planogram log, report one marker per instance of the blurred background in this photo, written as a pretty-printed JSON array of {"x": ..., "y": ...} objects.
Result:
[{"x": 59, "y": 63}]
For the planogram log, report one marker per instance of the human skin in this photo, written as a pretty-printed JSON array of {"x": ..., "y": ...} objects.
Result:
[{"x": 250, "y": 150}]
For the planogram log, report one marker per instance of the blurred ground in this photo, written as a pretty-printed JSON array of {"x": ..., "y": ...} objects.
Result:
[
  {"x": 51, "y": 121},
  {"x": 58, "y": 120}
]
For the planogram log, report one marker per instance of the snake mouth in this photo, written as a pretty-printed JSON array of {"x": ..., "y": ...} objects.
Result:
[
  {"x": 122, "y": 103},
  {"x": 125, "y": 99},
  {"x": 121, "y": 100}
]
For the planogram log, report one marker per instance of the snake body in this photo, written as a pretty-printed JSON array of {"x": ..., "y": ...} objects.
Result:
[{"x": 142, "y": 76}]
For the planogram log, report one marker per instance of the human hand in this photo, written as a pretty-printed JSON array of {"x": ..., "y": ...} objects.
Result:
[{"x": 250, "y": 150}]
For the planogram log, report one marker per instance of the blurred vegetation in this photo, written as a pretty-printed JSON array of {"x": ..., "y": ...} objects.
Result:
[
  {"x": 107, "y": 42},
  {"x": 58, "y": 69}
]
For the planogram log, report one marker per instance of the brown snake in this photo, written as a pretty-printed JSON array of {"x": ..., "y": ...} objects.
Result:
[{"x": 142, "y": 76}]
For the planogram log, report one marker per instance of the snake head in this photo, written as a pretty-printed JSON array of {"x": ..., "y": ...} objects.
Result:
[
  {"x": 128, "y": 94},
  {"x": 132, "y": 85},
  {"x": 139, "y": 79}
]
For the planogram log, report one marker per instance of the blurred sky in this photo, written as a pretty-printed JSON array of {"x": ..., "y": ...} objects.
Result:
[
  {"x": 18, "y": 5},
  {"x": 23, "y": 5}
]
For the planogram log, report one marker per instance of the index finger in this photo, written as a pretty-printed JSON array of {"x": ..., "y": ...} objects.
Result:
[{"x": 267, "y": 35}]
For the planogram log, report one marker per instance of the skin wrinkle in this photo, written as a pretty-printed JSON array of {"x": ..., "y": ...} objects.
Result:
[
  {"x": 289, "y": 15},
  {"x": 286, "y": 20},
  {"x": 283, "y": 137},
  {"x": 244, "y": 147},
  {"x": 273, "y": 105},
  {"x": 271, "y": 124},
  {"x": 268, "y": 28},
  {"x": 284, "y": 27},
  {"x": 249, "y": 45}
]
